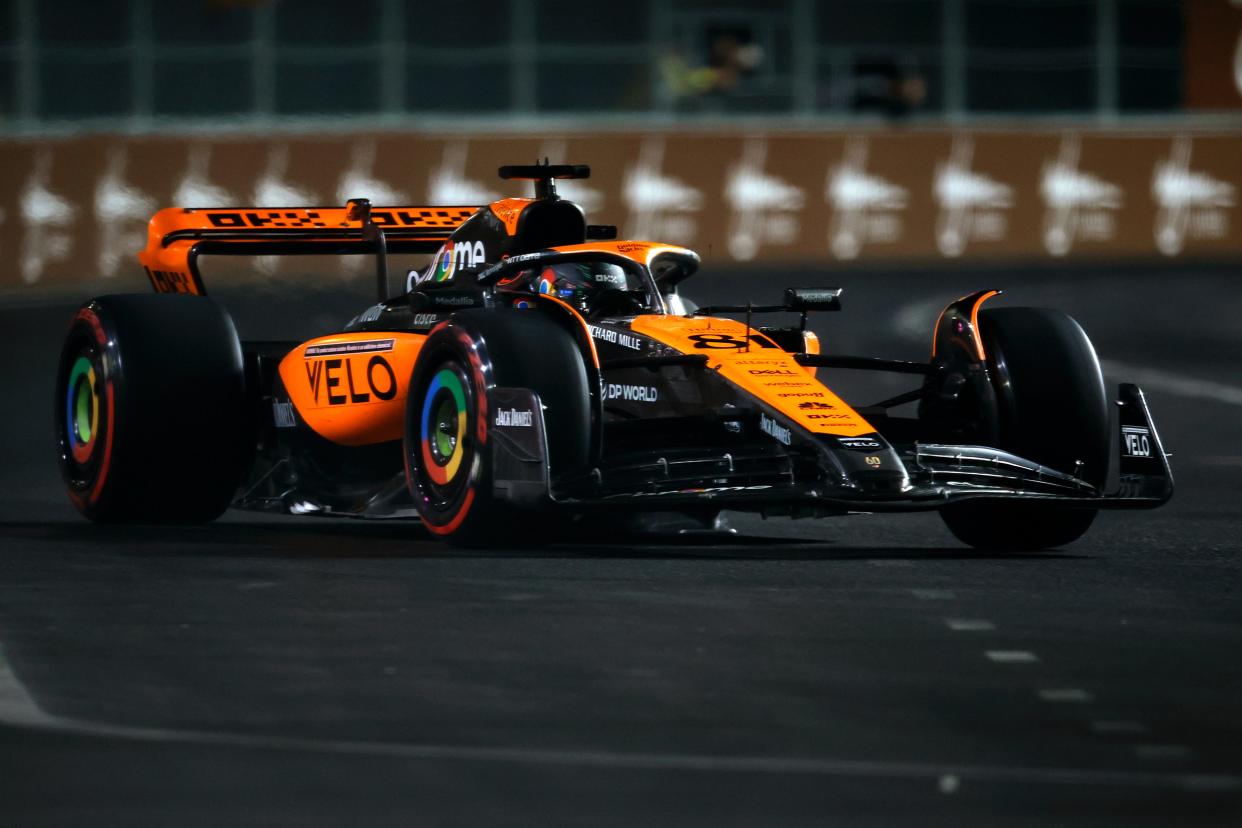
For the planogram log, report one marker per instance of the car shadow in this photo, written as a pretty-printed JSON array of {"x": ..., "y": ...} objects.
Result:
[{"x": 319, "y": 538}]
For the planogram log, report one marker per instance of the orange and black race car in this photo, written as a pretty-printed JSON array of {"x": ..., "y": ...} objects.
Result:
[{"x": 538, "y": 371}]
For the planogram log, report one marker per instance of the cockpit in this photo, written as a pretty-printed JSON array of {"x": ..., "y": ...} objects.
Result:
[{"x": 592, "y": 284}]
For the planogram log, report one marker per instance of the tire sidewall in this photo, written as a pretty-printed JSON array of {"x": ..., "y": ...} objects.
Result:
[
  {"x": 498, "y": 348},
  {"x": 87, "y": 483},
  {"x": 1050, "y": 391},
  {"x": 177, "y": 426},
  {"x": 450, "y": 344}
]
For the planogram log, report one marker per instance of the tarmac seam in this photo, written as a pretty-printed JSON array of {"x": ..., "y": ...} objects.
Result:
[{"x": 19, "y": 709}]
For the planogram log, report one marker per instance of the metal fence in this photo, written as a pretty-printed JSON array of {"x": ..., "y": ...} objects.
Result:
[{"x": 144, "y": 64}]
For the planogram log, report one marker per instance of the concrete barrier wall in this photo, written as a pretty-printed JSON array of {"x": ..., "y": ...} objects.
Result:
[{"x": 74, "y": 210}]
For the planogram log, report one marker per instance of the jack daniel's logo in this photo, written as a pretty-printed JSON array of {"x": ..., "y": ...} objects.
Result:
[{"x": 512, "y": 417}]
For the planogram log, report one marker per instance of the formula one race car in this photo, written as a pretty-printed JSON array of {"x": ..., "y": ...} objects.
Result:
[{"x": 540, "y": 368}]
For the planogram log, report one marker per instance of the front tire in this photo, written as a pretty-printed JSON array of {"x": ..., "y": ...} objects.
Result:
[
  {"x": 1052, "y": 409},
  {"x": 150, "y": 410},
  {"x": 448, "y": 455}
]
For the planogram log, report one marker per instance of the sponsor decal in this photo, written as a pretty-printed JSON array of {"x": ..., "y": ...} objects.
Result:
[
  {"x": 787, "y": 384},
  {"x": 1135, "y": 441},
  {"x": 717, "y": 341},
  {"x": 452, "y": 300},
  {"x": 859, "y": 443},
  {"x": 616, "y": 337},
  {"x": 348, "y": 381},
  {"x": 425, "y": 320},
  {"x": 759, "y": 362},
  {"x": 811, "y": 404},
  {"x": 514, "y": 418},
  {"x": 772, "y": 372},
  {"x": 632, "y": 247},
  {"x": 259, "y": 219},
  {"x": 797, "y": 394},
  {"x": 866, "y": 209},
  {"x": 764, "y": 207},
  {"x": 466, "y": 254},
  {"x": 1078, "y": 206},
  {"x": 1190, "y": 204},
  {"x": 972, "y": 206},
  {"x": 872, "y": 460},
  {"x": 336, "y": 348},
  {"x": 282, "y": 414},
  {"x": 828, "y": 417},
  {"x": 710, "y": 490},
  {"x": 631, "y": 393},
  {"x": 170, "y": 281},
  {"x": 453, "y": 257},
  {"x": 616, "y": 280},
  {"x": 272, "y": 218},
  {"x": 774, "y": 429},
  {"x": 371, "y": 314}
]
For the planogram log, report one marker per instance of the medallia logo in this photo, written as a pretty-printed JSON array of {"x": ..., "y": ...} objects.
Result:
[
  {"x": 1079, "y": 206},
  {"x": 972, "y": 206},
  {"x": 1189, "y": 204},
  {"x": 866, "y": 209}
]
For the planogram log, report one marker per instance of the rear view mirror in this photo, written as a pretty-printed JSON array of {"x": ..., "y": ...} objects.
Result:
[{"x": 813, "y": 299}]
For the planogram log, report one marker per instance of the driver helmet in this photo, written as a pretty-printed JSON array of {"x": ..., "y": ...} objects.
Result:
[{"x": 577, "y": 282}]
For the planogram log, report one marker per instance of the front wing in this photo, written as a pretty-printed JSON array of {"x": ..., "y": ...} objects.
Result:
[{"x": 935, "y": 475}]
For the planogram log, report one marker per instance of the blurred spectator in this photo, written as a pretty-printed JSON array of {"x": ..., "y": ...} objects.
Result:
[
  {"x": 732, "y": 56},
  {"x": 885, "y": 86}
]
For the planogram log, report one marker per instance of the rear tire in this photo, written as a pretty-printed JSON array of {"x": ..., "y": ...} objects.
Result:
[
  {"x": 150, "y": 410},
  {"x": 1053, "y": 410},
  {"x": 447, "y": 432}
]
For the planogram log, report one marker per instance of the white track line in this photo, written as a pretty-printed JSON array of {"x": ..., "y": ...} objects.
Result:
[
  {"x": 934, "y": 594},
  {"x": 1061, "y": 695},
  {"x": 1119, "y": 726},
  {"x": 969, "y": 624},
  {"x": 19, "y": 709},
  {"x": 1163, "y": 752},
  {"x": 1011, "y": 656}
]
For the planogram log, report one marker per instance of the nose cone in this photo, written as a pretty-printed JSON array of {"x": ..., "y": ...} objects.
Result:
[{"x": 871, "y": 464}]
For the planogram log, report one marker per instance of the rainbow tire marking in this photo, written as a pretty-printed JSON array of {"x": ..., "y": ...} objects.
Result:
[
  {"x": 82, "y": 410},
  {"x": 444, "y": 404}
]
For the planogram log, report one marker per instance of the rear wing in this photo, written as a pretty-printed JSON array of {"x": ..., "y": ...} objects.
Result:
[{"x": 177, "y": 236}]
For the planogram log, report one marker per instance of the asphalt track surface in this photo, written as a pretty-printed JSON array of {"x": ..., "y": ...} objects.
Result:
[{"x": 860, "y": 671}]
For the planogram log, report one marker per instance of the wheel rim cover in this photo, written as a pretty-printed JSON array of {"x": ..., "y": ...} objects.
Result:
[
  {"x": 82, "y": 410},
  {"x": 444, "y": 410}
]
